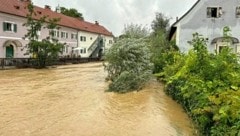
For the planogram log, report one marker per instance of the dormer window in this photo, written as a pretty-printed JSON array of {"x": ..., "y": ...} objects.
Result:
[
  {"x": 214, "y": 12},
  {"x": 238, "y": 12},
  {"x": 17, "y": 7},
  {"x": 39, "y": 12}
]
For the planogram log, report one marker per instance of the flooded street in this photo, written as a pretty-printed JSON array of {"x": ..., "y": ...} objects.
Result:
[{"x": 71, "y": 101}]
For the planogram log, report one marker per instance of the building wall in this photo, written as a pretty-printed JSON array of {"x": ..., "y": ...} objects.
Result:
[
  {"x": 108, "y": 42},
  {"x": 6, "y": 36},
  {"x": 19, "y": 51},
  {"x": 197, "y": 21},
  {"x": 90, "y": 39},
  {"x": 69, "y": 42}
]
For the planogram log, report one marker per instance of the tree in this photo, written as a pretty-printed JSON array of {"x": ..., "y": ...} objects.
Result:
[
  {"x": 161, "y": 48},
  {"x": 46, "y": 50},
  {"x": 128, "y": 61},
  {"x": 134, "y": 31},
  {"x": 161, "y": 51},
  {"x": 71, "y": 12},
  {"x": 161, "y": 23}
]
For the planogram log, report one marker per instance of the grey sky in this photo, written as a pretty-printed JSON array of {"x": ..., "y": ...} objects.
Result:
[{"x": 114, "y": 14}]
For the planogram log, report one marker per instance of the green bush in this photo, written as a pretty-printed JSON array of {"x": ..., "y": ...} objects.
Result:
[
  {"x": 128, "y": 64},
  {"x": 208, "y": 86}
]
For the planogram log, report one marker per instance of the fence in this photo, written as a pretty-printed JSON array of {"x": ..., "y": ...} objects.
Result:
[{"x": 29, "y": 62}]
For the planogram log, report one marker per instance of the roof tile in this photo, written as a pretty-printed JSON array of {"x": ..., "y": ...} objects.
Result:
[{"x": 19, "y": 8}]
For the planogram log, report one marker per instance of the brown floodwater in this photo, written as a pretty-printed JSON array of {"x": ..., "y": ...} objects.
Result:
[{"x": 71, "y": 101}]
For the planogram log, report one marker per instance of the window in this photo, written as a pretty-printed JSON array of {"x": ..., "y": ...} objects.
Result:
[
  {"x": 63, "y": 34},
  {"x": 9, "y": 27},
  {"x": 67, "y": 49},
  {"x": 73, "y": 36},
  {"x": 220, "y": 48},
  {"x": 83, "y": 51},
  {"x": 238, "y": 12},
  {"x": 54, "y": 32},
  {"x": 110, "y": 41},
  {"x": 83, "y": 38},
  {"x": 214, "y": 12}
]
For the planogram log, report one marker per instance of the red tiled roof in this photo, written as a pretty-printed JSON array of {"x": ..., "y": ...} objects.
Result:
[{"x": 19, "y": 8}]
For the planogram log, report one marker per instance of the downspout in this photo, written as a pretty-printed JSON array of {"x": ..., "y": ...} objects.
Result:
[{"x": 78, "y": 38}]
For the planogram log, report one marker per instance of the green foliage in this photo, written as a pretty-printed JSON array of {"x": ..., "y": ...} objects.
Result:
[
  {"x": 134, "y": 31},
  {"x": 208, "y": 86},
  {"x": 71, "y": 12},
  {"x": 161, "y": 23},
  {"x": 128, "y": 64},
  {"x": 44, "y": 51},
  {"x": 162, "y": 51}
]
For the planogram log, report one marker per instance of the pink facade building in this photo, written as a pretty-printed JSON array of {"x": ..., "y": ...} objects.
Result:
[{"x": 79, "y": 36}]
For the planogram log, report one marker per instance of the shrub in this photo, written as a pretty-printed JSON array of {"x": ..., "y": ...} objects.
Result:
[
  {"x": 208, "y": 86},
  {"x": 128, "y": 64}
]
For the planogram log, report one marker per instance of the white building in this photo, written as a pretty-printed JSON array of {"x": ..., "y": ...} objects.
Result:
[
  {"x": 91, "y": 38},
  {"x": 208, "y": 17}
]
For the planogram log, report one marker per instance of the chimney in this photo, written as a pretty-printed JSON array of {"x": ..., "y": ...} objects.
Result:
[
  {"x": 58, "y": 10},
  {"x": 47, "y": 7},
  {"x": 96, "y": 22},
  {"x": 176, "y": 18}
]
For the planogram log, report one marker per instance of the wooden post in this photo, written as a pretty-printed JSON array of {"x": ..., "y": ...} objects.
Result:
[{"x": 2, "y": 63}]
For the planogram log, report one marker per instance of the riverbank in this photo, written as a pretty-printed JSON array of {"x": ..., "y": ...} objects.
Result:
[{"x": 11, "y": 63}]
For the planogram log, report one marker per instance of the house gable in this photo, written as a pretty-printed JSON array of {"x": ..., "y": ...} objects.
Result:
[{"x": 206, "y": 17}]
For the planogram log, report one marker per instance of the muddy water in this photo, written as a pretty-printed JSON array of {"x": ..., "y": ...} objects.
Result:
[{"x": 70, "y": 101}]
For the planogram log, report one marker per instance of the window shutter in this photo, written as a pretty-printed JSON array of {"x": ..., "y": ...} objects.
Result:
[
  {"x": 4, "y": 26},
  {"x": 15, "y": 28},
  {"x": 209, "y": 12},
  {"x": 238, "y": 12}
]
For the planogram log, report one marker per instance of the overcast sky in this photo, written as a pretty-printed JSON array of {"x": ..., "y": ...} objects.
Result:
[{"x": 114, "y": 14}]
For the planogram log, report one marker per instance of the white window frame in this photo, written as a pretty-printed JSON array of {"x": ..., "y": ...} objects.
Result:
[
  {"x": 218, "y": 11},
  {"x": 73, "y": 36},
  {"x": 219, "y": 45},
  {"x": 64, "y": 34},
  {"x": 83, "y": 38},
  {"x": 12, "y": 26},
  {"x": 55, "y": 33}
]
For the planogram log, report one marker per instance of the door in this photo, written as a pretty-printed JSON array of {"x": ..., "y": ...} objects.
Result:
[{"x": 9, "y": 51}]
